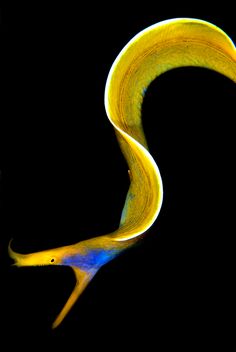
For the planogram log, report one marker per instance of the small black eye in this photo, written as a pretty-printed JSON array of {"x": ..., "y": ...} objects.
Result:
[{"x": 52, "y": 260}]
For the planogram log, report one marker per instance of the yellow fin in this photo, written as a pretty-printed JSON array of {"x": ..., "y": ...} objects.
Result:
[{"x": 82, "y": 280}]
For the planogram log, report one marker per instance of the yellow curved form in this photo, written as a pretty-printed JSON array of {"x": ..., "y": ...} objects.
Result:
[{"x": 157, "y": 49}]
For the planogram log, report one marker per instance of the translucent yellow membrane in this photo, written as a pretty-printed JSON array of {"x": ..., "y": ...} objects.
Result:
[{"x": 159, "y": 48}]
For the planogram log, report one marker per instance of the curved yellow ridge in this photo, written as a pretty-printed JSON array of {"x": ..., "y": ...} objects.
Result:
[{"x": 159, "y": 48}]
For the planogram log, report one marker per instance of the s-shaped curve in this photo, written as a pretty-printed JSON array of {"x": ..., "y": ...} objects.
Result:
[{"x": 155, "y": 50}]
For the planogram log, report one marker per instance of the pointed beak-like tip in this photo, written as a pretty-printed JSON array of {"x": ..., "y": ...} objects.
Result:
[
  {"x": 11, "y": 253},
  {"x": 9, "y": 245},
  {"x": 17, "y": 257}
]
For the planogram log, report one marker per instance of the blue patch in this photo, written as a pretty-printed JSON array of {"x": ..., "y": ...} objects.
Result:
[
  {"x": 144, "y": 92},
  {"x": 93, "y": 259}
]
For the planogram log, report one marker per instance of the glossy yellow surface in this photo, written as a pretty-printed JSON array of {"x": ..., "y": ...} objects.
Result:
[{"x": 157, "y": 49}]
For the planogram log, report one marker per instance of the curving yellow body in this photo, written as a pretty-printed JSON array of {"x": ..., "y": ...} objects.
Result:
[{"x": 157, "y": 49}]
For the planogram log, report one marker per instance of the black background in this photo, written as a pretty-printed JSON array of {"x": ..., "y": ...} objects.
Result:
[{"x": 64, "y": 179}]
